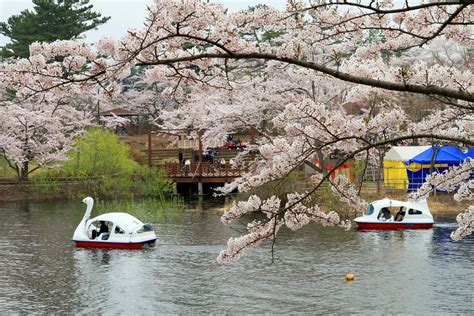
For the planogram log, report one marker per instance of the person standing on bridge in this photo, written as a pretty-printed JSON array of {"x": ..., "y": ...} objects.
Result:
[{"x": 187, "y": 166}]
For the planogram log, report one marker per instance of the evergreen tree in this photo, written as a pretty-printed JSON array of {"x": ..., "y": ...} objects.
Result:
[{"x": 49, "y": 21}]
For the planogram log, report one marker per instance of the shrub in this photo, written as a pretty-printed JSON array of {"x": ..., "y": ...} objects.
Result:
[
  {"x": 152, "y": 181},
  {"x": 103, "y": 166},
  {"x": 99, "y": 153}
]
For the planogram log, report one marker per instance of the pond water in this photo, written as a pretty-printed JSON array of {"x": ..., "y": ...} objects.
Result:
[{"x": 409, "y": 272}]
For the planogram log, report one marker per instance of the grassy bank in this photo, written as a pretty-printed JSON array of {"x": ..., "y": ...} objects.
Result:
[
  {"x": 149, "y": 183},
  {"x": 440, "y": 204}
]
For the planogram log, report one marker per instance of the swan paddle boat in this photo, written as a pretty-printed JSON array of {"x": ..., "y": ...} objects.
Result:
[
  {"x": 112, "y": 230},
  {"x": 393, "y": 214}
]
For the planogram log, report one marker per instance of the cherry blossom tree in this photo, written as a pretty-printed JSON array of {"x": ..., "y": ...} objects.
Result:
[
  {"x": 220, "y": 71},
  {"x": 35, "y": 135}
]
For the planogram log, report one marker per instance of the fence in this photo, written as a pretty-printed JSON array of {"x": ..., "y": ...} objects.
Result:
[{"x": 204, "y": 169}]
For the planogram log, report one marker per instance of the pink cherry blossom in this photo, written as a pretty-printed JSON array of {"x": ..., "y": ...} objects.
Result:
[{"x": 320, "y": 79}]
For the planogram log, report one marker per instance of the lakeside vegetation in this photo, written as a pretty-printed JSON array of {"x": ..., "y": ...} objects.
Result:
[{"x": 98, "y": 165}]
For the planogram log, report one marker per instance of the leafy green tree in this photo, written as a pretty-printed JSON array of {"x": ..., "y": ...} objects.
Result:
[
  {"x": 100, "y": 158},
  {"x": 97, "y": 153},
  {"x": 49, "y": 21}
]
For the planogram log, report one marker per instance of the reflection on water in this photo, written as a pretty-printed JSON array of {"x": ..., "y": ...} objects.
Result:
[{"x": 413, "y": 271}]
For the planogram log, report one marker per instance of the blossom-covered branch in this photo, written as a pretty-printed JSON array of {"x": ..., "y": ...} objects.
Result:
[{"x": 312, "y": 82}]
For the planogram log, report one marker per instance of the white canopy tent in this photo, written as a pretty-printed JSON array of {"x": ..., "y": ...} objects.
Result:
[
  {"x": 395, "y": 174},
  {"x": 404, "y": 153}
]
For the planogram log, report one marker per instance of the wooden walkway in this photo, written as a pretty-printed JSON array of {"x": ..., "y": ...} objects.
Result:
[{"x": 152, "y": 151}]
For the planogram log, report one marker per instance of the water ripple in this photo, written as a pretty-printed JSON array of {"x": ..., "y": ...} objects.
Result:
[{"x": 399, "y": 272}]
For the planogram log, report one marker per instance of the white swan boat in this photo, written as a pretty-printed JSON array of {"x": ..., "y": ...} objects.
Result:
[
  {"x": 116, "y": 230},
  {"x": 393, "y": 214}
]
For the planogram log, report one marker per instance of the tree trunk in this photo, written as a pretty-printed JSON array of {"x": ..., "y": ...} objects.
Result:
[
  {"x": 24, "y": 171},
  {"x": 380, "y": 171}
]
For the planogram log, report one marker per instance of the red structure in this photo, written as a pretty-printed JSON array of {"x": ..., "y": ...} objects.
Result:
[{"x": 345, "y": 169}]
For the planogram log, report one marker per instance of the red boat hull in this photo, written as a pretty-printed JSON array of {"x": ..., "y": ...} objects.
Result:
[
  {"x": 115, "y": 245},
  {"x": 393, "y": 226}
]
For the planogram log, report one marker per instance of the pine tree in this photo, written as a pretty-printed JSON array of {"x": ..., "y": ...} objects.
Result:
[{"x": 50, "y": 20}]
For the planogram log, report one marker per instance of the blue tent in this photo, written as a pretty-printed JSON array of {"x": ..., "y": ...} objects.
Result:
[{"x": 443, "y": 157}]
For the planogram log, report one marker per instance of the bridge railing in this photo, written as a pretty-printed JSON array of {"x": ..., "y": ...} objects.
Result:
[{"x": 203, "y": 169}]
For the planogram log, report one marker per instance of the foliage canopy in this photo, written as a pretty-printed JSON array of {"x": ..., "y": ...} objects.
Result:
[
  {"x": 50, "y": 20},
  {"x": 98, "y": 152}
]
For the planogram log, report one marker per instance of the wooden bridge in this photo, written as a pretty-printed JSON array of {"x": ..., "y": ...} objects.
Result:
[{"x": 201, "y": 172}]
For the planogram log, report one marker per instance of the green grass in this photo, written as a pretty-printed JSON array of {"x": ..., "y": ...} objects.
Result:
[{"x": 5, "y": 170}]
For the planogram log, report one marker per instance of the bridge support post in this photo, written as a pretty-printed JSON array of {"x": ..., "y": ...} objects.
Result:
[{"x": 200, "y": 188}]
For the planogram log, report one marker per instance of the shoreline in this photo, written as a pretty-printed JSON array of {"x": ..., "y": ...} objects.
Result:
[{"x": 441, "y": 204}]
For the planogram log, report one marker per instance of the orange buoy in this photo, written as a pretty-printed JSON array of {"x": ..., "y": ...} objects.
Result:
[{"x": 350, "y": 277}]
